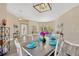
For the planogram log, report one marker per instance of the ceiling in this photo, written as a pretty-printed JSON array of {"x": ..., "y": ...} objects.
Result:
[{"x": 26, "y": 11}]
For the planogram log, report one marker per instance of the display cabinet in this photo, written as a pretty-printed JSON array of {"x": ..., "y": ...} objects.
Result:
[{"x": 4, "y": 40}]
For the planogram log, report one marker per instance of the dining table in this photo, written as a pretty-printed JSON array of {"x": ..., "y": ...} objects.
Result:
[{"x": 39, "y": 50}]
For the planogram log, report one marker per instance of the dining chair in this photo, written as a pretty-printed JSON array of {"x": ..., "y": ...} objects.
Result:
[
  {"x": 18, "y": 47},
  {"x": 70, "y": 49},
  {"x": 66, "y": 48},
  {"x": 58, "y": 47}
]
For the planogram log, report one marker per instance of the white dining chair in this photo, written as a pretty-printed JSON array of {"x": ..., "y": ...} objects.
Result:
[
  {"x": 59, "y": 47},
  {"x": 18, "y": 47},
  {"x": 70, "y": 48},
  {"x": 66, "y": 48}
]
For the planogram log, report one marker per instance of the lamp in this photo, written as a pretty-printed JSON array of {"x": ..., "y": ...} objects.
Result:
[{"x": 42, "y": 7}]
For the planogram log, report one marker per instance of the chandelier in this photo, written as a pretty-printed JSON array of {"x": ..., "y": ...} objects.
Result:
[{"x": 42, "y": 7}]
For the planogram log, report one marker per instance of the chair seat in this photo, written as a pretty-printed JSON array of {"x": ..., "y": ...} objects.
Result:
[
  {"x": 31, "y": 45},
  {"x": 52, "y": 42}
]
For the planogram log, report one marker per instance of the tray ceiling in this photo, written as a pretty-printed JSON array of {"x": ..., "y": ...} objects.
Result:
[{"x": 27, "y": 11}]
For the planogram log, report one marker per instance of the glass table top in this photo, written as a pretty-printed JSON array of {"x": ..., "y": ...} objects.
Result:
[{"x": 40, "y": 50}]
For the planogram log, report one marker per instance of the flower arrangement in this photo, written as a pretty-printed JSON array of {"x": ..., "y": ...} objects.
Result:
[{"x": 43, "y": 34}]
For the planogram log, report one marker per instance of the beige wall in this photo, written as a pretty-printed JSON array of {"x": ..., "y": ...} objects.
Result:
[
  {"x": 38, "y": 25},
  {"x": 71, "y": 25},
  {"x": 49, "y": 25},
  {"x": 11, "y": 19},
  {"x": 2, "y": 11}
]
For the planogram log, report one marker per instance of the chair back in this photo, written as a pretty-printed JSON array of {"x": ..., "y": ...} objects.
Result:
[
  {"x": 18, "y": 47},
  {"x": 59, "y": 46}
]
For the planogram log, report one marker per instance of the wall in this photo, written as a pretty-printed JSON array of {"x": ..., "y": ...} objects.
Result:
[
  {"x": 37, "y": 25},
  {"x": 2, "y": 11},
  {"x": 11, "y": 20},
  {"x": 71, "y": 28},
  {"x": 71, "y": 25}
]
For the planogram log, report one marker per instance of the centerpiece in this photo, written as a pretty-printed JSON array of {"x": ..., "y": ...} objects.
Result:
[{"x": 43, "y": 34}]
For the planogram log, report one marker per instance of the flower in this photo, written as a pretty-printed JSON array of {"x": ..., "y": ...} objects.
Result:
[{"x": 43, "y": 33}]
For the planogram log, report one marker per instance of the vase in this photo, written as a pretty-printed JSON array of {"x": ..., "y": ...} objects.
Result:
[
  {"x": 4, "y": 22},
  {"x": 44, "y": 40}
]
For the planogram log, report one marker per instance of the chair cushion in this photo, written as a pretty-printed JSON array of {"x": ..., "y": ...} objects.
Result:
[
  {"x": 31, "y": 45},
  {"x": 52, "y": 42}
]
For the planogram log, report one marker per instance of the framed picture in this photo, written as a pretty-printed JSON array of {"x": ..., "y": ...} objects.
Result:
[{"x": 23, "y": 29}]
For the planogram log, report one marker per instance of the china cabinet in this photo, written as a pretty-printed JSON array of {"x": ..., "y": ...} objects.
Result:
[{"x": 4, "y": 40}]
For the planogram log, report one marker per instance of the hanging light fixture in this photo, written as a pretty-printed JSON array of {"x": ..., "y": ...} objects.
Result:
[{"x": 42, "y": 7}]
